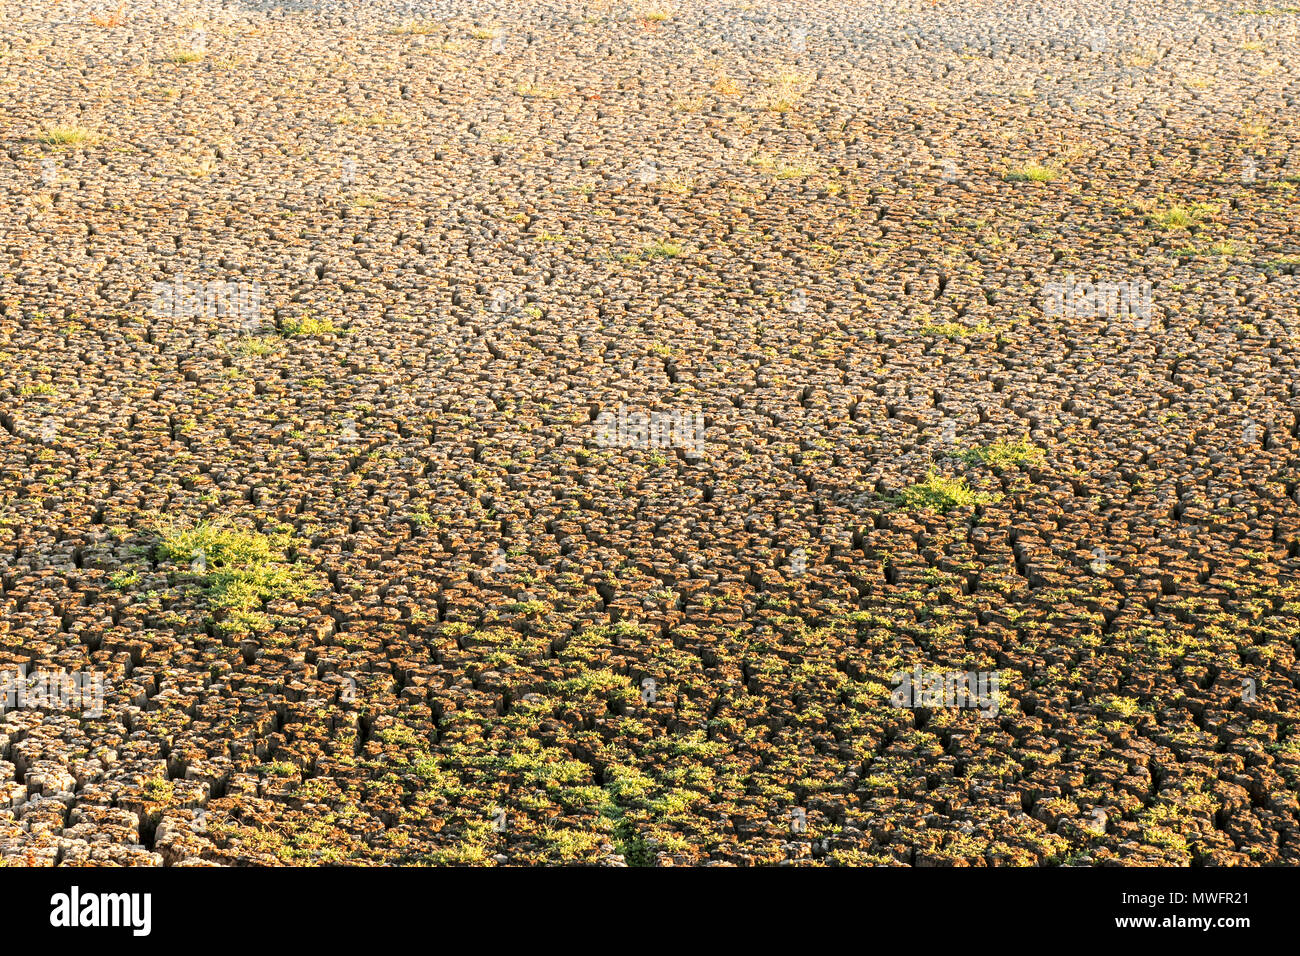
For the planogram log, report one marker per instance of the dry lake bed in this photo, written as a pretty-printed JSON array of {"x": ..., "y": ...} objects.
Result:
[{"x": 649, "y": 433}]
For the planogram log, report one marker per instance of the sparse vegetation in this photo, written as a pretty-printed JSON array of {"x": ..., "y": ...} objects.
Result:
[
  {"x": 1005, "y": 453},
  {"x": 354, "y": 436},
  {"x": 258, "y": 346},
  {"x": 940, "y": 494},
  {"x": 305, "y": 326},
  {"x": 68, "y": 135},
  {"x": 238, "y": 570},
  {"x": 953, "y": 330},
  {"x": 785, "y": 92},
  {"x": 655, "y": 250},
  {"x": 1181, "y": 216},
  {"x": 183, "y": 55},
  {"x": 1032, "y": 174}
]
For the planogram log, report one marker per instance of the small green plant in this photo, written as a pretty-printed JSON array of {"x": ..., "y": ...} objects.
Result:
[
  {"x": 529, "y": 608},
  {"x": 366, "y": 200},
  {"x": 781, "y": 169},
  {"x": 306, "y": 326},
  {"x": 1004, "y": 453},
  {"x": 123, "y": 579},
  {"x": 1289, "y": 264},
  {"x": 655, "y": 250},
  {"x": 940, "y": 494},
  {"x": 1224, "y": 248},
  {"x": 69, "y": 136},
  {"x": 1031, "y": 174},
  {"x": 786, "y": 92},
  {"x": 1180, "y": 216},
  {"x": 257, "y": 345},
  {"x": 953, "y": 330},
  {"x": 794, "y": 171},
  {"x": 1123, "y": 706},
  {"x": 238, "y": 570}
]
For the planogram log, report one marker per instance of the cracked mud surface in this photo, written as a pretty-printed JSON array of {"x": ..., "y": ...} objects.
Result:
[{"x": 363, "y": 585}]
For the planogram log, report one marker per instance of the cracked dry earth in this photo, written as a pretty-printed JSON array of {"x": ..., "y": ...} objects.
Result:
[{"x": 364, "y": 582}]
